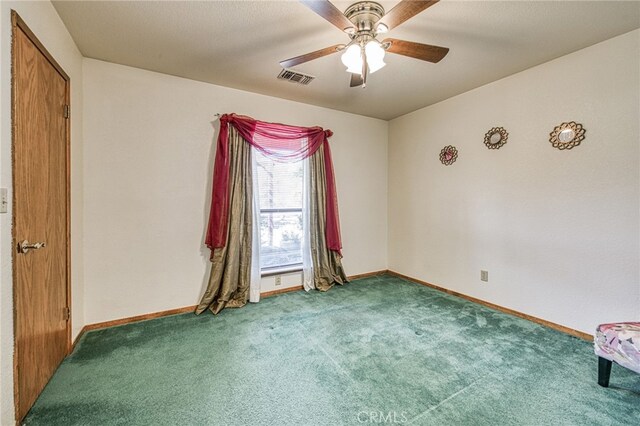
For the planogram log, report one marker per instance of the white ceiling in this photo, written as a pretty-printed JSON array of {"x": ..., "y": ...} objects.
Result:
[{"x": 240, "y": 43}]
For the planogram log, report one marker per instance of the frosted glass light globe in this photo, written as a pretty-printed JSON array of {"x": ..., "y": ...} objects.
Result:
[
  {"x": 352, "y": 59},
  {"x": 375, "y": 56}
]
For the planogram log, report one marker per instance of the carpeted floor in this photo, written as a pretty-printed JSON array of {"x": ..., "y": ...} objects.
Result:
[{"x": 377, "y": 351}]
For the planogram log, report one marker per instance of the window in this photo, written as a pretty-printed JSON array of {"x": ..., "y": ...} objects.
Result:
[{"x": 280, "y": 191}]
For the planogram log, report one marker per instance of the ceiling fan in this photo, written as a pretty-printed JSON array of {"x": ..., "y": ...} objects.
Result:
[{"x": 363, "y": 21}]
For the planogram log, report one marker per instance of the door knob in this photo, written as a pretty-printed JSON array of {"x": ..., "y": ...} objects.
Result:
[{"x": 24, "y": 246}]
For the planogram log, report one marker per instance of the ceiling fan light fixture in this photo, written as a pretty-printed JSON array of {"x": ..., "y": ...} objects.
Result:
[
  {"x": 352, "y": 59},
  {"x": 363, "y": 21},
  {"x": 382, "y": 28},
  {"x": 375, "y": 55}
]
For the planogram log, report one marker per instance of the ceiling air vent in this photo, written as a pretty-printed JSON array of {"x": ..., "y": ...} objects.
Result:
[{"x": 295, "y": 77}]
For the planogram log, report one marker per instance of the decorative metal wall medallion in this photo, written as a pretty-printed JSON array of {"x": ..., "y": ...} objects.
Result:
[
  {"x": 496, "y": 137},
  {"x": 448, "y": 155},
  {"x": 567, "y": 135}
]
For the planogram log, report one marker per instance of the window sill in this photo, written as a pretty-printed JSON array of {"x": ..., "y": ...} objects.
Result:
[{"x": 280, "y": 271}]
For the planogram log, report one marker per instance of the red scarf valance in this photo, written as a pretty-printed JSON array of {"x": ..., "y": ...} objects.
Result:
[{"x": 280, "y": 142}]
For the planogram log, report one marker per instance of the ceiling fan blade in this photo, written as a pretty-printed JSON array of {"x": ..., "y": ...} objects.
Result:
[
  {"x": 404, "y": 10},
  {"x": 425, "y": 52},
  {"x": 328, "y": 11},
  {"x": 292, "y": 62},
  {"x": 360, "y": 79},
  {"x": 356, "y": 80}
]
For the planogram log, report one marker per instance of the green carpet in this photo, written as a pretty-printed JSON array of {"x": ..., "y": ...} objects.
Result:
[{"x": 377, "y": 351}]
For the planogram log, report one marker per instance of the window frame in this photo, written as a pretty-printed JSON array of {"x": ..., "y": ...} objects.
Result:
[{"x": 285, "y": 268}]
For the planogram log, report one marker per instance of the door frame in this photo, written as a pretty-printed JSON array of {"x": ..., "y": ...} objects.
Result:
[{"x": 18, "y": 24}]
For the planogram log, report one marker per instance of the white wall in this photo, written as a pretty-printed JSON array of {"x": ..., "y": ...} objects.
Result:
[
  {"x": 558, "y": 231},
  {"x": 43, "y": 20},
  {"x": 149, "y": 149}
]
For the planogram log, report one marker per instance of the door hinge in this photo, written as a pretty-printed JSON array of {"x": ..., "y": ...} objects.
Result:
[
  {"x": 67, "y": 111},
  {"x": 66, "y": 314}
]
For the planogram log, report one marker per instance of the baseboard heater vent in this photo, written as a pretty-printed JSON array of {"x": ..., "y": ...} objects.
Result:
[{"x": 295, "y": 77}]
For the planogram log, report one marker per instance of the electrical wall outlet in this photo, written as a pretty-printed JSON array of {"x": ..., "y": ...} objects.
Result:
[
  {"x": 278, "y": 280},
  {"x": 4, "y": 200},
  {"x": 484, "y": 276}
]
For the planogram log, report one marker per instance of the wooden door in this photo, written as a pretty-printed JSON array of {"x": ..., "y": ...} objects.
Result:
[{"x": 40, "y": 215}]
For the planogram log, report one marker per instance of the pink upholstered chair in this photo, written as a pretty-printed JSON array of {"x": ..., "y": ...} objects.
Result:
[{"x": 620, "y": 343}]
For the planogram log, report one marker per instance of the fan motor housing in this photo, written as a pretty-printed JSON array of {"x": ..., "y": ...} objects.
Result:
[{"x": 364, "y": 14}]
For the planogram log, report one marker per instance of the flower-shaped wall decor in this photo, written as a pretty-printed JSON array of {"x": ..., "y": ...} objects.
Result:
[
  {"x": 496, "y": 137},
  {"x": 448, "y": 155},
  {"x": 567, "y": 135}
]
